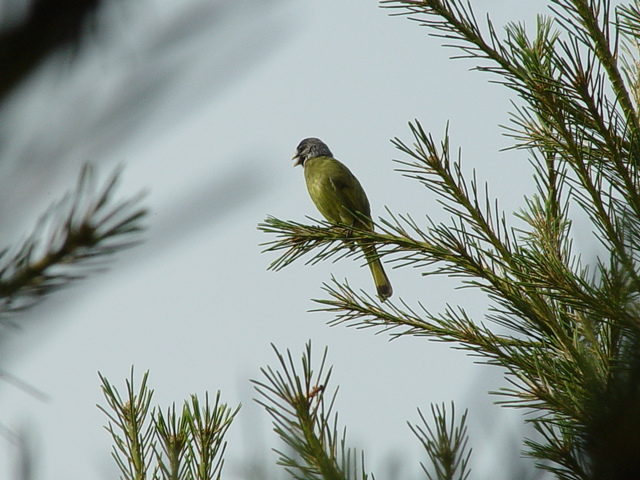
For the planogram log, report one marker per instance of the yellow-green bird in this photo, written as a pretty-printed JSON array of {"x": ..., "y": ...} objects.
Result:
[{"x": 340, "y": 198}]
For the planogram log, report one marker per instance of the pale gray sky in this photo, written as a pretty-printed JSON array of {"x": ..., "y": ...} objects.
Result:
[{"x": 207, "y": 125}]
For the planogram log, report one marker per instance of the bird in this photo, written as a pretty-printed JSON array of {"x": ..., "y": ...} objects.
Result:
[{"x": 340, "y": 198}]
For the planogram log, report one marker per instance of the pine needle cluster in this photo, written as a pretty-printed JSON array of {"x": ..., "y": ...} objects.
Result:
[
  {"x": 305, "y": 422},
  {"x": 152, "y": 444},
  {"x": 75, "y": 237}
]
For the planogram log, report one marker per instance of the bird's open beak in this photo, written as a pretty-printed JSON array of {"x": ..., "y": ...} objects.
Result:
[{"x": 296, "y": 157}]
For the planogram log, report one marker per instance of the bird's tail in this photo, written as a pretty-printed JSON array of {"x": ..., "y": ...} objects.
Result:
[{"x": 380, "y": 279}]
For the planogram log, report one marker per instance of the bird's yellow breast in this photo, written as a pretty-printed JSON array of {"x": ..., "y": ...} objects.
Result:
[{"x": 335, "y": 191}]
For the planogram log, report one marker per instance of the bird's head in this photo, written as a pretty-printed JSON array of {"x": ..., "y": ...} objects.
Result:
[{"x": 310, "y": 148}]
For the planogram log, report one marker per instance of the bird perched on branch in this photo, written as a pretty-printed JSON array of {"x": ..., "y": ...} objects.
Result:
[{"x": 340, "y": 198}]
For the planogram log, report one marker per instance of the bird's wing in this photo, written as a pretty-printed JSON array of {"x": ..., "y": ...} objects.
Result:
[{"x": 350, "y": 195}]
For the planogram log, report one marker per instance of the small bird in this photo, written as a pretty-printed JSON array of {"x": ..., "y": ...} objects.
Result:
[{"x": 340, "y": 198}]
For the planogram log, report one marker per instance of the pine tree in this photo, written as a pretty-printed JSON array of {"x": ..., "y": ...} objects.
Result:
[{"x": 571, "y": 348}]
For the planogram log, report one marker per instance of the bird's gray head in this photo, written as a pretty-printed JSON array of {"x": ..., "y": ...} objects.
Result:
[{"x": 310, "y": 148}]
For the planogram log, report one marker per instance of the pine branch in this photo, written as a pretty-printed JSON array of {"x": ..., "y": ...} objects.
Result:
[
  {"x": 150, "y": 444},
  {"x": 207, "y": 426},
  {"x": 130, "y": 427},
  {"x": 298, "y": 240},
  {"x": 438, "y": 173},
  {"x": 590, "y": 20},
  {"x": 73, "y": 239},
  {"x": 305, "y": 422},
  {"x": 171, "y": 457},
  {"x": 543, "y": 376},
  {"x": 530, "y": 362},
  {"x": 560, "y": 453},
  {"x": 446, "y": 445}
]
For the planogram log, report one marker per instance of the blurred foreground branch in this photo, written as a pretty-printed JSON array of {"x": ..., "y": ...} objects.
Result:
[
  {"x": 74, "y": 238},
  {"x": 47, "y": 26}
]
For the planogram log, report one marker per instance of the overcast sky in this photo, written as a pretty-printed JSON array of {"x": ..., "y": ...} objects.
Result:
[{"x": 204, "y": 103}]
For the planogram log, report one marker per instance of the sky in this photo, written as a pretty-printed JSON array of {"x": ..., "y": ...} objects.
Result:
[{"x": 204, "y": 104}]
